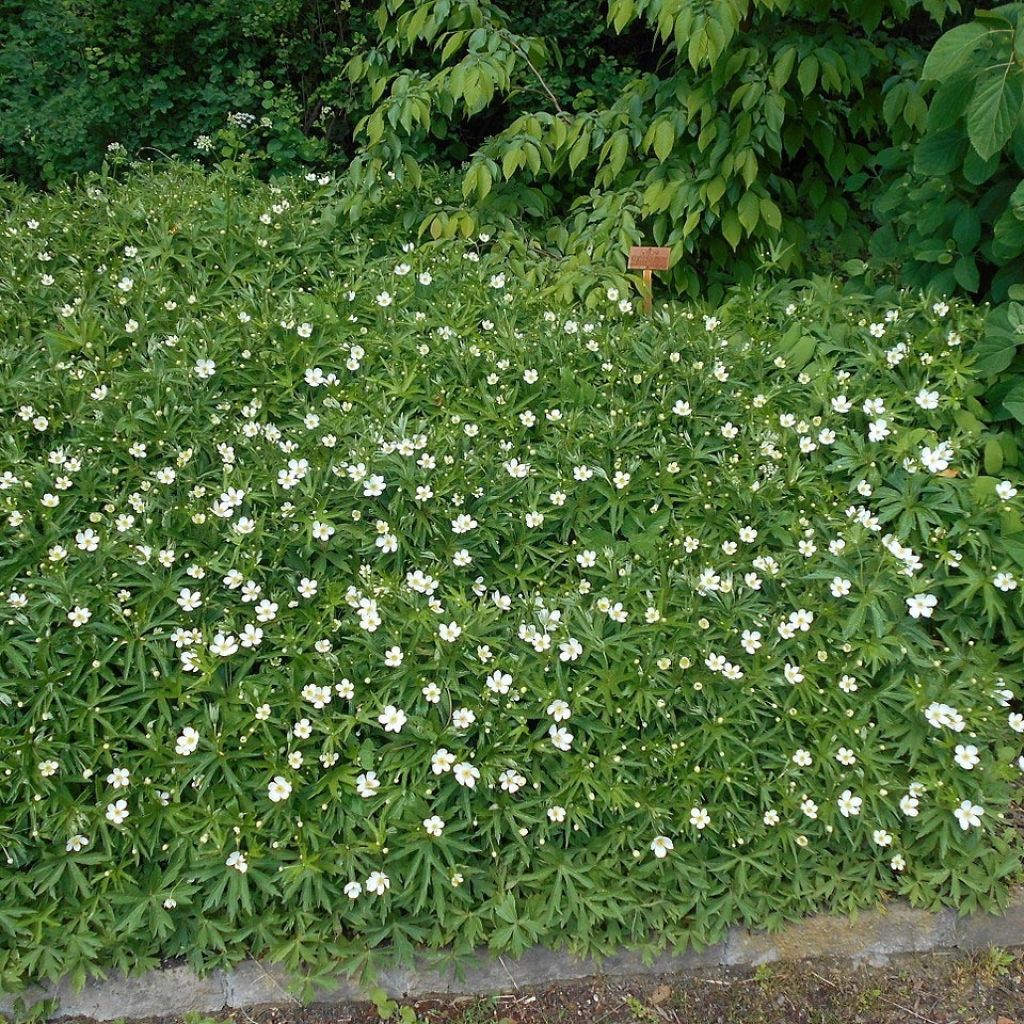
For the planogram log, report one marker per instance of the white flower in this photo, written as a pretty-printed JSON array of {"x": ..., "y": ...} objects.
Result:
[
  {"x": 968, "y": 815},
  {"x": 699, "y": 817},
  {"x": 570, "y": 649},
  {"x": 966, "y": 755},
  {"x": 224, "y": 645},
  {"x": 392, "y": 719},
  {"x": 79, "y": 616},
  {"x": 237, "y": 860},
  {"x": 279, "y": 789},
  {"x": 1005, "y": 490},
  {"x": 463, "y": 718},
  {"x": 561, "y": 738},
  {"x": 661, "y": 846},
  {"x": 559, "y": 710},
  {"x": 442, "y": 761},
  {"x": 1005, "y": 581},
  {"x": 556, "y": 814},
  {"x": 367, "y": 784},
  {"x": 322, "y": 531},
  {"x": 849, "y": 805},
  {"x": 434, "y": 825},
  {"x": 117, "y": 812},
  {"x": 378, "y": 883},
  {"x": 119, "y": 778},
  {"x": 511, "y": 781},
  {"x": 450, "y": 631},
  {"x": 76, "y": 843},
  {"x": 466, "y": 774},
  {"x": 499, "y": 682},
  {"x": 353, "y": 890},
  {"x": 921, "y": 605},
  {"x": 187, "y": 742}
]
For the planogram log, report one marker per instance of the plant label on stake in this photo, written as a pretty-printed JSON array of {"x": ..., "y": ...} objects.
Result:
[{"x": 649, "y": 258}]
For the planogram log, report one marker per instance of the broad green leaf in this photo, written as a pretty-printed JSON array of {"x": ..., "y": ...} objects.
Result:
[
  {"x": 1014, "y": 402},
  {"x": 994, "y": 112},
  {"x": 731, "y": 228},
  {"x": 749, "y": 210},
  {"x": 664, "y": 140},
  {"x": 953, "y": 50},
  {"x": 770, "y": 213},
  {"x": 807, "y": 76},
  {"x": 940, "y": 152},
  {"x": 950, "y": 101}
]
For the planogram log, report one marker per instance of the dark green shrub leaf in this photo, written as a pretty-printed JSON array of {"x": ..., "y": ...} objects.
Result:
[
  {"x": 994, "y": 112},
  {"x": 953, "y": 50},
  {"x": 940, "y": 152}
]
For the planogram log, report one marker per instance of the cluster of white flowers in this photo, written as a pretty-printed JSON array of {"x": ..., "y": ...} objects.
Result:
[{"x": 457, "y": 585}]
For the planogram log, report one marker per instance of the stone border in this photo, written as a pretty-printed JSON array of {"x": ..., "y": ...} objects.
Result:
[{"x": 873, "y": 936}]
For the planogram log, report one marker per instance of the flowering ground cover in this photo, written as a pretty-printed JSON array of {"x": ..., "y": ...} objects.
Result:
[{"x": 355, "y": 599}]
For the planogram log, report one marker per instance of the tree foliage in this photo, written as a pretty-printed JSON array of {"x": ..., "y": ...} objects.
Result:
[{"x": 755, "y": 124}]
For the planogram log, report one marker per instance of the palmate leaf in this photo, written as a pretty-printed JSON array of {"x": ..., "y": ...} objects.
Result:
[{"x": 995, "y": 111}]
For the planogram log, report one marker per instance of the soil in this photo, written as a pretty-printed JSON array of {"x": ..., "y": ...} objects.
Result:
[{"x": 937, "y": 988}]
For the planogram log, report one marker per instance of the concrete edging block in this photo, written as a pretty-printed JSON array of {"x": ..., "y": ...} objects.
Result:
[{"x": 872, "y": 936}]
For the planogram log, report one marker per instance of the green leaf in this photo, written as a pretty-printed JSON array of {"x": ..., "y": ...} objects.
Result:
[
  {"x": 940, "y": 152},
  {"x": 749, "y": 210},
  {"x": 993, "y": 457},
  {"x": 783, "y": 68},
  {"x": 771, "y": 214},
  {"x": 965, "y": 270},
  {"x": 731, "y": 228},
  {"x": 953, "y": 50},
  {"x": 994, "y": 112},
  {"x": 967, "y": 229},
  {"x": 664, "y": 140},
  {"x": 976, "y": 170},
  {"x": 950, "y": 101},
  {"x": 1014, "y": 402},
  {"x": 807, "y": 76}
]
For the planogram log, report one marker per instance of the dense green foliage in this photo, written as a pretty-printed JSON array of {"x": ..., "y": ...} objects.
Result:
[
  {"x": 958, "y": 213},
  {"x": 954, "y": 218},
  {"x": 754, "y": 125},
  {"x": 718, "y": 129},
  {"x": 152, "y": 76},
  {"x": 356, "y": 596}
]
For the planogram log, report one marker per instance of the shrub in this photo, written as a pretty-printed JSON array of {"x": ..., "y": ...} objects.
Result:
[
  {"x": 358, "y": 602},
  {"x": 743, "y": 128},
  {"x": 77, "y": 76},
  {"x": 954, "y": 219}
]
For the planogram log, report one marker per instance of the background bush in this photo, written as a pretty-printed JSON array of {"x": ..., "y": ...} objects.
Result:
[{"x": 716, "y": 129}]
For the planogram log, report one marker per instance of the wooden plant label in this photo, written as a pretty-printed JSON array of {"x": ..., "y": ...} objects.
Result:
[{"x": 649, "y": 258}]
